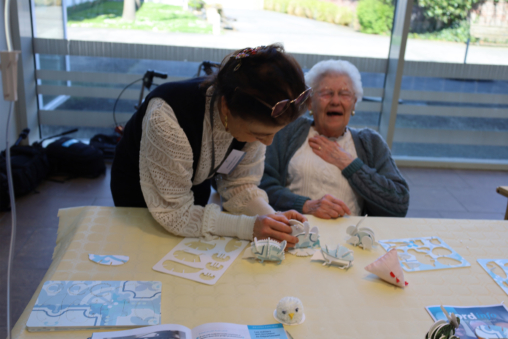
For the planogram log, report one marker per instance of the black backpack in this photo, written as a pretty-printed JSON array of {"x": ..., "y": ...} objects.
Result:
[
  {"x": 29, "y": 167},
  {"x": 74, "y": 158}
]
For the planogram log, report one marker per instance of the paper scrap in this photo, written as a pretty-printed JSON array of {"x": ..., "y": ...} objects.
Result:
[{"x": 110, "y": 260}]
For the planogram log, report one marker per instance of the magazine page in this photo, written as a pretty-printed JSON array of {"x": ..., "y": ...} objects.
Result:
[
  {"x": 159, "y": 331},
  {"x": 475, "y": 320},
  {"x": 234, "y": 331}
]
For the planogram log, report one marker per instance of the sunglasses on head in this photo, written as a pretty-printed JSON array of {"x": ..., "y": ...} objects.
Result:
[{"x": 282, "y": 106}]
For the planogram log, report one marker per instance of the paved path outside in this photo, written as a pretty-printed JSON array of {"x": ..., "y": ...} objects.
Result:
[{"x": 299, "y": 35}]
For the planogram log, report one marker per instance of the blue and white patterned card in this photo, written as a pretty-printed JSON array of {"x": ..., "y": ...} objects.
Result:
[
  {"x": 65, "y": 305},
  {"x": 498, "y": 270},
  {"x": 424, "y": 254}
]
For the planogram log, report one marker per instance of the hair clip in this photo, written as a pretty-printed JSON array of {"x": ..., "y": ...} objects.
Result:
[{"x": 246, "y": 53}]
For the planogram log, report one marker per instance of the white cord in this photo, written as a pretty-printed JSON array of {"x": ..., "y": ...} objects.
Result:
[
  {"x": 7, "y": 25},
  {"x": 13, "y": 216}
]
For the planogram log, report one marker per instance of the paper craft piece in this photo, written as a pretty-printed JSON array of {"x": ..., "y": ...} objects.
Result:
[
  {"x": 308, "y": 239},
  {"x": 498, "y": 270},
  {"x": 424, "y": 254},
  {"x": 96, "y": 304},
  {"x": 112, "y": 260},
  {"x": 340, "y": 256},
  {"x": 289, "y": 311},
  {"x": 361, "y": 236},
  {"x": 491, "y": 332},
  {"x": 266, "y": 250},
  {"x": 388, "y": 268},
  {"x": 444, "y": 329},
  {"x": 201, "y": 261}
]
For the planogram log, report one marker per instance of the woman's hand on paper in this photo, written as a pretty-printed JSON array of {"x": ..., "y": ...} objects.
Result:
[
  {"x": 328, "y": 207},
  {"x": 330, "y": 152},
  {"x": 276, "y": 226}
]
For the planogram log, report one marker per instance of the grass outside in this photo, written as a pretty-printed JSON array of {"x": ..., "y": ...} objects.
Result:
[{"x": 149, "y": 17}]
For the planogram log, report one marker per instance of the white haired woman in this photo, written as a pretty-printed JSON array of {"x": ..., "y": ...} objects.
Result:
[{"x": 322, "y": 167}]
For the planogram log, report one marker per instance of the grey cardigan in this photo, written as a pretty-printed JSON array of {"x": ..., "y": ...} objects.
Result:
[{"x": 373, "y": 175}]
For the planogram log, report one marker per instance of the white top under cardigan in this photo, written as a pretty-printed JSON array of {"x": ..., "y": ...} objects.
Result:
[
  {"x": 165, "y": 166},
  {"x": 311, "y": 176}
]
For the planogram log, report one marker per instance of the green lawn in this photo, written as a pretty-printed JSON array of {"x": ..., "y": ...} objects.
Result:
[{"x": 150, "y": 17}]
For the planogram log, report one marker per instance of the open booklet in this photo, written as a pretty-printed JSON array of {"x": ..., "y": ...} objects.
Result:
[
  {"x": 476, "y": 321},
  {"x": 205, "y": 331}
]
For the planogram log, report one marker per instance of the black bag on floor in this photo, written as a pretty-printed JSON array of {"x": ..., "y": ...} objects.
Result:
[
  {"x": 29, "y": 167},
  {"x": 74, "y": 158},
  {"x": 106, "y": 143}
]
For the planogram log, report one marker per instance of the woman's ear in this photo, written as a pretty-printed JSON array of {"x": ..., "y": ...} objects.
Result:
[
  {"x": 223, "y": 107},
  {"x": 309, "y": 103}
]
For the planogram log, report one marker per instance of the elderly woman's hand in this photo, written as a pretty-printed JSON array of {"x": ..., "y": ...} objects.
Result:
[
  {"x": 276, "y": 226},
  {"x": 330, "y": 152},
  {"x": 326, "y": 208}
]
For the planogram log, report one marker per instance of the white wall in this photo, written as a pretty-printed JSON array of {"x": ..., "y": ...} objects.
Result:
[{"x": 4, "y": 105}]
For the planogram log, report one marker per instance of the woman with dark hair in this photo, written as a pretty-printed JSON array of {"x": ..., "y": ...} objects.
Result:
[{"x": 184, "y": 131}]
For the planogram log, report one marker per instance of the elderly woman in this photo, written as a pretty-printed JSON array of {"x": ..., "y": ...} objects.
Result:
[{"x": 323, "y": 167}]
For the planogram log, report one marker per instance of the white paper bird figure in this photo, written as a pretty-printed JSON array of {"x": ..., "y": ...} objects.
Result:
[
  {"x": 361, "y": 236},
  {"x": 289, "y": 311}
]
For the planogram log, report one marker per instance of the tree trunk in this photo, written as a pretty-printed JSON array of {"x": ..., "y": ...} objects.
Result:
[{"x": 129, "y": 10}]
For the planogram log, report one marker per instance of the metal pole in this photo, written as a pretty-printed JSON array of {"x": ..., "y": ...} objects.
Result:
[
  {"x": 395, "y": 69},
  {"x": 467, "y": 48}
]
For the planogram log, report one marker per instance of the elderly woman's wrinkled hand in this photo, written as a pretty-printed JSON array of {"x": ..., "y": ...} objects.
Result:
[
  {"x": 328, "y": 207},
  {"x": 330, "y": 152},
  {"x": 275, "y": 226}
]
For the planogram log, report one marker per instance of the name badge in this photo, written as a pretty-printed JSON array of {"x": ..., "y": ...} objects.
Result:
[{"x": 231, "y": 162}]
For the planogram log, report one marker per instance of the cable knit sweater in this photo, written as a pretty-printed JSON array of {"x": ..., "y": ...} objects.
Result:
[
  {"x": 166, "y": 170},
  {"x": 373, "y": 175}
]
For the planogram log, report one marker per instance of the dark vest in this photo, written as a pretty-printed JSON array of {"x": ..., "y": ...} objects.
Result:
[{"x": 188, "y": 100}]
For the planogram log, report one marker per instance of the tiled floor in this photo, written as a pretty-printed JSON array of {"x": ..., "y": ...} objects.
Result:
[{"x": 457, "y": 194}]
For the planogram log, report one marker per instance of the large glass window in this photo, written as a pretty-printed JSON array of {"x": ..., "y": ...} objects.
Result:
[{"x": 454, "y": 102}]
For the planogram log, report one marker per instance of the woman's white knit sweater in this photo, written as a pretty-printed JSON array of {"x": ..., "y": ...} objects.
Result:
[{"x": 165, "y": 165}]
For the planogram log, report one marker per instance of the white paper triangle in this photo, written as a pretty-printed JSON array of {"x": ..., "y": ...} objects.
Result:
[{"x": 388, "y": 268}]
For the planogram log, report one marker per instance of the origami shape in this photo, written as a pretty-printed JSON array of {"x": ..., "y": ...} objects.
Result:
[
  {"x": 268, "y": 249},
  {"x": 443, "y": 329},
  {"x": 388, "y": 268},
  {"x": 361, "y": 236},
  {"x": 341, "y": 256},
  {"x": 308, "y": 239}
]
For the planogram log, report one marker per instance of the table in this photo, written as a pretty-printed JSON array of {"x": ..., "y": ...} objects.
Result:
[
  {"x": 503, "y": 190},
  {"x": 338, "y": 303}
]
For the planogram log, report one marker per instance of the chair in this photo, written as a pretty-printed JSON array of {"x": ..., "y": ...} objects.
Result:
[{"x": 503, "y": 190}]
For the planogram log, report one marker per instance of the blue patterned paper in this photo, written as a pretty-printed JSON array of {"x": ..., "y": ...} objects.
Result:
[
  {"x": 409, "y": 262},
  {"x": 503, "y": 264},
  {"x": 96, "y": 304},
  {"x": 112, "y": 260}
]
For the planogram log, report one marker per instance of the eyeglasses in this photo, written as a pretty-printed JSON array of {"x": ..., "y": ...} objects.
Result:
[
  {"x": 344, "y": 94},
  {"x": 282, "y": 106}
]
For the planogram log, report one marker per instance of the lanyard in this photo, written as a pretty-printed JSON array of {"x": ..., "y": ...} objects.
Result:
[{"x": 213, "y": 170}]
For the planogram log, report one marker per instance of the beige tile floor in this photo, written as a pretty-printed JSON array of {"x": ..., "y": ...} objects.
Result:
[{"x": 457, "y": 194}]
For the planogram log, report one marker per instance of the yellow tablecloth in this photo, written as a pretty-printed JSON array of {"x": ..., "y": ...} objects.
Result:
[{"x": 338, "y": 303}]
